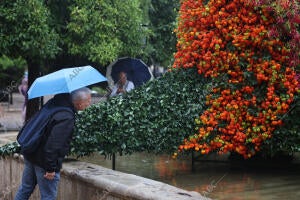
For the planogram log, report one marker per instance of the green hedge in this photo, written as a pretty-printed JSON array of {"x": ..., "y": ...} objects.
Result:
[
  {"x": 286, "y": 138},
  {"x": 9, "y": 149},
  {"x": 155, "y": 117}
]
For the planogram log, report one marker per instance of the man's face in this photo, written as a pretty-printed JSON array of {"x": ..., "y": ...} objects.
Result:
[
  {"x": 83, "y": 104},
  {"x": 122, "y": 78}
]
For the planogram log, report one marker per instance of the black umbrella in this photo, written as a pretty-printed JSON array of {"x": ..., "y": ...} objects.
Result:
[{"x": 137, "y": 71}]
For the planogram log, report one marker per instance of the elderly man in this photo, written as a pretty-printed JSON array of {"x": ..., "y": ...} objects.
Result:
[
  {"x": 122, "y": 86},
  {"x": 43, "y": 166}
]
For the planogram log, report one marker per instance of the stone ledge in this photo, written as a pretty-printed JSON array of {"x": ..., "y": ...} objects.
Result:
[
  {"x": 81, "y": 180},
  {"x": 126, "y": 185}
]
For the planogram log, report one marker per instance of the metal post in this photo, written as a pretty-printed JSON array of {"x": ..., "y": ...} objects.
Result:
[
  {"x": 113, "y": 161},
  {"x": 193, "y": 161},
  {"x": 11, "y": 98}
]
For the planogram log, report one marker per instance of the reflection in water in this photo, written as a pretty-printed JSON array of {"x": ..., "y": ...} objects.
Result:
[{"x": 215, "y": 180}]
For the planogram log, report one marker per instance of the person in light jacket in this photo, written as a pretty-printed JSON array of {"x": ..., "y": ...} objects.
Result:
[{"x": 122, "y": 86}]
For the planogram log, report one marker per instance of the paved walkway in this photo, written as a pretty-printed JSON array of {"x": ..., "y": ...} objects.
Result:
[{"x": 11, "y": 114}]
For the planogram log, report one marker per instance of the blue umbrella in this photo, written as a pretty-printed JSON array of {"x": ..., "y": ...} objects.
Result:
[
  {"x": 137, "y": 71},
  {"x": 65, "y": 81}
]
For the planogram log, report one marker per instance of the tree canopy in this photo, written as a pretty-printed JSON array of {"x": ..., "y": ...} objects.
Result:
[
  {"x": 25, "y": 30},
  {"x": 105, "y": 30},
  {"x": 57, "y": 33},
  {"x": 162, "y": 17}
]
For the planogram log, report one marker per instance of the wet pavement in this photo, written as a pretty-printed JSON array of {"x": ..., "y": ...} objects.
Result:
[{"x": 11, "y": 114}]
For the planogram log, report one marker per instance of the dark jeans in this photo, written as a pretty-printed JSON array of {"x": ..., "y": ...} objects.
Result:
[{"x": 33, "y": 175}]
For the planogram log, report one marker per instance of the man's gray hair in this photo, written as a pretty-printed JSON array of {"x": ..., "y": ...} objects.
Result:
[{"x": 80, "y": 94}]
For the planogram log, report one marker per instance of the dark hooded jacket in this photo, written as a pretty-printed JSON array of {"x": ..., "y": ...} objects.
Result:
[{"x": 56, "y": 140}]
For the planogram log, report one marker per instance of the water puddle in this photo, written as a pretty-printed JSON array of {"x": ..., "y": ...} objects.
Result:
[{"x": 213, "y": 179}]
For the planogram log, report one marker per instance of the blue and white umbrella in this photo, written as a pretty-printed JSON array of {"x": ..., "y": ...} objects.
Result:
[{"x": 65, "y": 81}]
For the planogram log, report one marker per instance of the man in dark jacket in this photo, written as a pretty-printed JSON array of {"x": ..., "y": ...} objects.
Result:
[{"x": 43, "y": 166}]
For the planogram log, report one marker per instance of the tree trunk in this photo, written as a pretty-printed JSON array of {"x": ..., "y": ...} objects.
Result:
[{"x": 33, "y": 105}]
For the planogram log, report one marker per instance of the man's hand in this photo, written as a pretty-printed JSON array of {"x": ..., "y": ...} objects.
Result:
[
  {"x": 49, "y": 175},
  {"x": 120, "y": 90}
]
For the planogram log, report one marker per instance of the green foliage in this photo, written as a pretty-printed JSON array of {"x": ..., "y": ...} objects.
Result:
[
  {"x": 286, "y": 138},
  {"x": 6, "y": 63},
  {"x": 9, "y": 149},
  {"x": 11, "y": 72},
  {"x": 162, "y": 15},
  {"x": 103, "y": 30},
  {"x": 97, "y": 31},
  {"x": 25, "y": 30},
  {"x": 155, "y": 117}
]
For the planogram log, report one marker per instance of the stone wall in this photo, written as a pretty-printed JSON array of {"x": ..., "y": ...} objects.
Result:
[{"x": 85, "y": 181}]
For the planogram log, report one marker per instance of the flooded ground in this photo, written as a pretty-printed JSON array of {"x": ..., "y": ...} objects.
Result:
[{"x": 216, "y": 180}]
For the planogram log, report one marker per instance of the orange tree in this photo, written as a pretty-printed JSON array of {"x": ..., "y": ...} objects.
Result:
[{"x": 251, "y": 59}]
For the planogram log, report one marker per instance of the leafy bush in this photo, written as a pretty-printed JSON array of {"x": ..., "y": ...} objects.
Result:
[
  {"x": 254, "y": 71},
  {"x": 155, "y": 117},
  {"x": 9, "y": 149},
  {"x": 286, "y": 138}
]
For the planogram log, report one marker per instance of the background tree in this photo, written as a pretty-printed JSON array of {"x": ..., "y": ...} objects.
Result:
[
  {"x": 51, "y": 33},
  {"x": 88, "y": 31},
  {"x": 104, "y": 30},
  {"x": 60, "y": 17},
  {"x": 141, "y": 29},
  {"x": 25, "y": 32},
  {"x": 11, "y": 72},
  {"x": 162, "y": 23}
]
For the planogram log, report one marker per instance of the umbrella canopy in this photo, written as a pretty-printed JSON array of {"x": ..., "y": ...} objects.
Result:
[
  {"x": 137, "y": 71},
  {"x": 65, "y": 81}
]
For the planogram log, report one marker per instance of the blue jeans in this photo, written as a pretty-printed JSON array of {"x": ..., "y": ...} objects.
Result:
[{"x": 33, "y": 175}]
